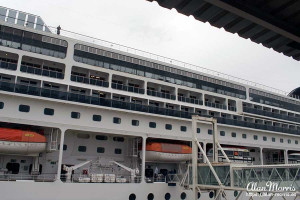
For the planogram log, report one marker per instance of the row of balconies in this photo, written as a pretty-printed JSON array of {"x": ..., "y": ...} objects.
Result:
[{"x": 152, "y": 107}]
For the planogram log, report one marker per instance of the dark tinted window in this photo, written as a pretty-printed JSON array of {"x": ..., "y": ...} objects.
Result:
[
  {"x": 101, "y": 137},
  {"x": 198, "y": 130},
  {"x": 244, "y": 136},
  {"x": 117, "y": 120},
  {"x": 118, "y": 151},
  {"x": 281, "y": 140},
  {"x": 135, "y": 122},
  {"x": 48, "y": 111},
  {"x": 233, "y": 134},
  {"x": 265, "y": 138},
  {"x": 169, "y": 126},
  {"x": 296, "y": 141},
  {"x": 75, "y": 115},
  {"x": 24, "y": 108},
  {"x": 82, "y": 148},
  {"x": 183, "y": 128},
  {"x": 289, "y": 141},
  {"x": 1, "y": 105},
  {"x": 210, "y": 132},
  {"x": 255, "y": 137},
  {"x": 273, "y": 139},
  {"x": 222, "y": 133},
  {"x": 97, "y": 118},
  {"x": 65, "y": 147},
  {"x": 100, "y": 150},
  {"x": 152, "y": 124},
  {"x": 118, "y": 139}
]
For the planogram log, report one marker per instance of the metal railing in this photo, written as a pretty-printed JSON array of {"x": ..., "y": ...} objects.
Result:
[
  {"x": 8, "y": 65},
  {"x": 127, "y": 88},
  {"x": 41, "y": 72},
  {"x": 161, "y": 94},
  {"x": 28, "y": 177},
  {"x": 216, "y": 105},
  {"x": 90, "y": 81},
  {"x": 190, "y": 100}
]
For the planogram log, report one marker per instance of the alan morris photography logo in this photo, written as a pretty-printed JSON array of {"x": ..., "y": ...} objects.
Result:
[{"x": 270, "y": 189}]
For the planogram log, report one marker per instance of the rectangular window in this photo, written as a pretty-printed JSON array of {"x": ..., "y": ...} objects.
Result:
[
  {"x": 233, "y": 134},
  {"x": 152, "y": 124},
  {"x": 296, "y": 141},
  {"x": 75, "y": 115},
  {"x": 255, "y": 137},
  {"x": 168, "y": 126},
  {"x": 244, "y": 136},
  {"x": 97, "y": 118},
  {"x": 210, "y": 132},
  {"x": 100, "y": 150},
  {"x": 101, "y": 137},
  {"x": 117, "y": 120},
  {"x": 281, "y": 140},
  {"x": 222, "y": 133},
  {"x": 65, "y": 147},
  {"x": 118, "y": 139},
  {"x": 135, "y": 122},
  {"x": 118, "y": 151},
  {"x": 289, "y": 141},
  {"x": 198, "y": 130},
  {"x": 273, "y": 139},
  {"x": 82, "y": 148},
  {"x": 48, "y": 111},
  {"x": 24, "y": 108},
  {"x": 1, "y": 105},
  {"x": 183, "y": 128},
  {"x": 265, "y": 138}
]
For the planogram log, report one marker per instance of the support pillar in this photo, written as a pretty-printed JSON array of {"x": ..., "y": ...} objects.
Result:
[
  {"x": 261, "y": 156},
  {"x": 204, "y": 148},
  {"x": 60, "y": 155},
  {"x": 286, "y": 157},
  {"x": 195, "y": 159},
  {"x": 143, "y": 159}
]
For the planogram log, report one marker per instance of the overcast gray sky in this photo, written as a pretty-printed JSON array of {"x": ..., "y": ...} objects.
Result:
[{"x": 147, "y": 26}]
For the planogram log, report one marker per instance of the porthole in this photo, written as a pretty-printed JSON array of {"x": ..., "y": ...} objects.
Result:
[
  {"x": 183, "y": 195},
  {"x": 48, "y": 111},
  {"x": 24, "y": 108},
  {"x": 211, "y": 194},
  {"x": 167, "y": 196},
  {"x": 150, "y": 196},
  {"x": 199, "y": 195},
  {"x": 1, "y": 105},
  {"x": 132, "y": 197},
  {"x": 235, "y": 193}
]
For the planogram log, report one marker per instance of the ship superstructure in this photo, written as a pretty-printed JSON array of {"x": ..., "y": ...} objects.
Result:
[{"x": 102, "y": 111}]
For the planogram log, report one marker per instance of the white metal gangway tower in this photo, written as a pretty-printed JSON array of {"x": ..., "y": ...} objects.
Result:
[{"x": 230, "y": 176}]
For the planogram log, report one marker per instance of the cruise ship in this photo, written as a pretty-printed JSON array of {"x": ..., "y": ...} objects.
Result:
[{"x": 82, "y": 118}]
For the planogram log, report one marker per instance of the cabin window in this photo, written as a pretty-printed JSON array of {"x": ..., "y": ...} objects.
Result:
[
  {"x": 289, "y": 141},
  {"x": 48, "y": 111},
  {"x": 222, "y": 133},
  {"x": 296, "y": 141},
  {"x": 24, "y": 108},
  {"x": 265, "y": 138},
  {"x": 150, "y": 196},
  {"x": 100, "y": 150},
  {"x": 210, "y": 132},
  {"x": 233, "y": 134},
  {"x": 75, "y": 115},
  {"x": 244, "y": 136},
  {"x": 118, "y": 139},
  {"x": 83, "y": 136},
  {"x": 118, "y": 151},
  {"x": 135, "y": 122},
  {"x": 101, "y": 137},
  {"x": 82, "y": 148},
  {"x": 152, "y": 124},
  {"x": 273, "y": 139},
  {"x": 255, "y": 137},
  {"x": 65, "y": 147},
  {"x": 97, "y": 118},
  {"x": 183, "y": 128},
  {"x": 198, "y": 130},
  {"x": 169, "y": 126},
  {"x": 183, "y": 195},
  {"x": 281, "y": 140},
  {"x": 167, "y": 196},
  {"x": 1, "y": 105},
  {"x": 132, "y": 197},
  {"x": 117, "y": 120}
]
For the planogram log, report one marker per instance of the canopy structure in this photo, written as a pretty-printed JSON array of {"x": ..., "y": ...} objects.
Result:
[{"x": 272, "y": 23}]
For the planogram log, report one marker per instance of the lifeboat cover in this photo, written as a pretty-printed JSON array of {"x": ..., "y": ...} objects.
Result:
[{"x": 15, "y": 135}]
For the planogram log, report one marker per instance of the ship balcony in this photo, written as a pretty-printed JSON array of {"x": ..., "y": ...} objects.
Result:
[
  {"x": 190, "y": 97},
  {"x": 91, "y": 81},
  {"x": 231, "y": 105},
  {"x": 42, "y": 67},
  {"x": 161, "y": 91},
  {"x": 8, "y": 60},
  {"x": 215, "y": 102},
  {"x": 126, "y": 84}
]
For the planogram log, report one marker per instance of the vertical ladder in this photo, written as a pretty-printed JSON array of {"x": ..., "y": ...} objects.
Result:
[{"x": 53, "y": 143}]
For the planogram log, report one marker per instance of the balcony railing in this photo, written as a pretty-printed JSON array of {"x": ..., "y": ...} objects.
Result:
[
  {"x": 8, "y": 65},
  {"x": 81, "y": 98},
  {"x": 161, "y": 94},
  {"x": 232, "y": 108},
  {"x": 216, "y": 105},
  {"x": 270, "y": 114},
  {"x": 81, "y": 79},
  {"x": 189, "y": 100},
  {"x": 42, "y": 72},
  {"x": 127, "y": 88}
]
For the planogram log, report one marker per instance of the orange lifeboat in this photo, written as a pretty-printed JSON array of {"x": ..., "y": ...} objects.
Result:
[
  {"x": 19, "y": 142},
  {"x": 167, "y": 152}
]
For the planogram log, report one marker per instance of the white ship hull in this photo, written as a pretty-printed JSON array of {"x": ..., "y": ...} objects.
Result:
[
  {"x": 21, "y": 148},
  {"x": 154, "y": 156}
]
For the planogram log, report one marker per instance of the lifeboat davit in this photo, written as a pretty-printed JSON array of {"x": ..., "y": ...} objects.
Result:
[
  {"x": 19, "y": 142},
  {"x": 167, "y": 152}
]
